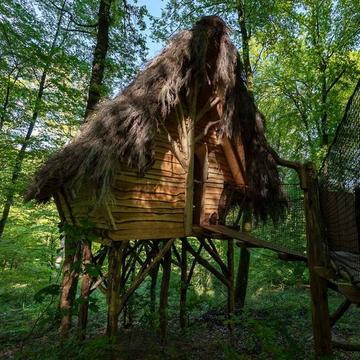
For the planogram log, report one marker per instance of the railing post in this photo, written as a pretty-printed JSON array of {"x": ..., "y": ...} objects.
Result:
[{"x": 317, "y": 256}]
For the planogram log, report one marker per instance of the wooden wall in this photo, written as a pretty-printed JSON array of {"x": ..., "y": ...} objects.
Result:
[
  {"x": 219, "y": 174},
  {"x": 152, "y": 206}
]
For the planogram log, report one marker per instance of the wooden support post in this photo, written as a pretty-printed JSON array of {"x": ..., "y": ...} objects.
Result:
[
  {"x": 115, "y": 264},
  {"x": 183, "y": 287},
  {"x": 230, "y": 287},
  {"x": 243, "y": 268},
  {"x": 242, "y": 278},
  {"x": 317, "y": 256},
  {"x": 190, "y": 153},
  {"x": 85, "y": 290},
  {"x": 164, "y": 293},
  {"x": 154, "y": 276},
  {"x": 69, "y": 284}
]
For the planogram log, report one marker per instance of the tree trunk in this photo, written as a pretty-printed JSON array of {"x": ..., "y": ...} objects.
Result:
[
  {"x": 9, "y": 86},
  {"x": 243, "y": 268},
  {"x": 94, "y": 94},
  {"x": 324, "y": 113},
  {"x": 245, "y": 44},
  {"x": 69, "y": 284},
  {"x": 114, "y": 275},
  {"x": 100, "y": 52},
  {"x": 22, "y": 152},
  {"x": 85, "y": 290}
]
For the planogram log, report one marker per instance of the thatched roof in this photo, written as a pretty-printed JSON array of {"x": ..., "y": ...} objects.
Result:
[{"x": 122, "y": 130}]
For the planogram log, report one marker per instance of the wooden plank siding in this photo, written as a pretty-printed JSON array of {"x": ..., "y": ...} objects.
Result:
[{"x": 152, "y": 206}]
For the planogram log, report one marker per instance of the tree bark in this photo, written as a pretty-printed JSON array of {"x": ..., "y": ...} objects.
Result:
[
  {"x": 115, "y": 265},
  {"x": 94, "y": 94},
  {"x": 9, "y": 86},
  {"x": 245, "y": 44},
  {"x": 69, "y": 285},
  {"x": 100, "y": 52},
  {"x": 242, "y": 278},
  {"x": 244, "y": 264},
  {"x": 85, "y": 290}
]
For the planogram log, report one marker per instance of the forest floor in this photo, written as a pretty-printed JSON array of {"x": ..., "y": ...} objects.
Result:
[{"x": 275, "y": 325}]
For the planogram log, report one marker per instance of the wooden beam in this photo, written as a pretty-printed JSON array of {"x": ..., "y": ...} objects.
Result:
[
  {"x": 214, "y": 231},
  {"x": 206, "y": 264},
  {"x": 346, "y": 346},
  {"x": 233, "y": 162},
  {"x": 192, "y": 267},
  {"x": 215, "y": 255},
  {"x": 340, "y": 311}
]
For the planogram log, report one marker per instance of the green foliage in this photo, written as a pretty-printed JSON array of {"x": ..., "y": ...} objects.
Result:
[{"x": 52, "y": 289}]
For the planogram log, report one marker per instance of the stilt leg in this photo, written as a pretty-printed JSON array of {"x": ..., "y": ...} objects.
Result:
[
  {"x": 85, "y": 291},
  {"x": 115, "y": 261},
  {"x": 154, "y": 276},
  {"x": 231, "y": 292},
  {"x": 183, "y": 287},
  {"x": 69, "y": 284},
  {"x": 242, "y": 278},
  {"x": 316, "y": 252},
  {"x": 243, "y": 268},
  {"x": 164, "y": 292}
]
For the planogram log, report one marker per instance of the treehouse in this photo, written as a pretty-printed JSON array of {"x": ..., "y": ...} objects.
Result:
[{"x": 180, "y": 146}]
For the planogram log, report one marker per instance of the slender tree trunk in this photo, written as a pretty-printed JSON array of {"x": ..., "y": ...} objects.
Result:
[
  {"x": 324, "y": 113},
  {"x": 94, "y": 94},
  {"x": 242, "y": 278},
  {"x": 100, "y": 52},
  {"x": 22, "y": 152},
  {"x": 245, "y": 41},
  {"x": 85, "y": 290},
  {"x": 115, "y": 266},
  {"x": 9, "y": 86},
  {"x": 69, "y": 285},
  {"x": 244, "y": 264}
]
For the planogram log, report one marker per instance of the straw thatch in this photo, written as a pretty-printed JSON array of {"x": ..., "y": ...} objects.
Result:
[{"x": 122, "y": 130}]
